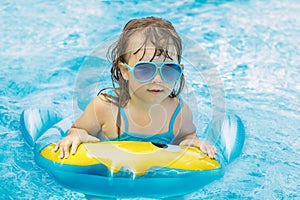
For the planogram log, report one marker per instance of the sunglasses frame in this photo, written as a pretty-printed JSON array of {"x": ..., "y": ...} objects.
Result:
[{"x": 159, "y": 66}]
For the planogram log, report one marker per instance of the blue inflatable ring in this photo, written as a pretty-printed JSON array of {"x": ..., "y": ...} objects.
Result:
[{"x": 99, "y": 175}]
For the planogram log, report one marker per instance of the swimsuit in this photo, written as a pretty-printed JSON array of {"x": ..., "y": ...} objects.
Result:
[{"x": 163, "y": 138}]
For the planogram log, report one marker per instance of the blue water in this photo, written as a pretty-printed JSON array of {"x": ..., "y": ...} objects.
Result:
[{"x": 253, "y": 43}]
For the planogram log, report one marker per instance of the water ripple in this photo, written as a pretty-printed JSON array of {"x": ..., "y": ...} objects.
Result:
[{"x": 254, "y": 44}]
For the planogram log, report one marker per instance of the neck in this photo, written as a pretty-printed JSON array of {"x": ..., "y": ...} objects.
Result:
[
  {"x": 139, "y": 104},
  {"x": 143, "y": 114}
]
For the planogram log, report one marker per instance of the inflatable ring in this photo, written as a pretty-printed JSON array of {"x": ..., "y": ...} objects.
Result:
[{"x": 131, "y": 169}]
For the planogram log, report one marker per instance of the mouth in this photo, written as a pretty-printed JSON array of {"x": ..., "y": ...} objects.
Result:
[{"x": 155, "y": 91}]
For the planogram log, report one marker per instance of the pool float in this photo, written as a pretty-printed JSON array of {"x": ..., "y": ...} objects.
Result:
[
  {"x": 126, "y": 169},
  {"x": 131, "y": 169}
]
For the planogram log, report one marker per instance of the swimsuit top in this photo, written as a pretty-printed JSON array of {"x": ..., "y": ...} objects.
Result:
[{"x": 162, "y": 138}]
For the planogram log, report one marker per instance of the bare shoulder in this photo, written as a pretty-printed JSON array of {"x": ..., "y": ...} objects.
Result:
[
  {"x": 96, "y": 109},
  {"x": 95, "y": 115},
  {"x": 103, "y": 104}
]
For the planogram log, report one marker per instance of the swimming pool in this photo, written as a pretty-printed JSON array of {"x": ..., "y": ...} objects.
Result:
[{"x": 254, "y": 44}]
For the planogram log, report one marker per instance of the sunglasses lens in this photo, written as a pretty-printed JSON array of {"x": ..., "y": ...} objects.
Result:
[
  {"x": 144, "y": 71},
  {"x": 171, "y": 72}
]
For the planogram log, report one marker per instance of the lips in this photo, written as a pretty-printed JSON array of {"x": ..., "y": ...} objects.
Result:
[{"x": 155, "y": 90}]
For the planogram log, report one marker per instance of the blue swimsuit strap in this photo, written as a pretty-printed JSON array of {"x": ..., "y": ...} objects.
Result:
[
  {"x": 172, "y": 121},
  {"x": 125, "y": 119}
]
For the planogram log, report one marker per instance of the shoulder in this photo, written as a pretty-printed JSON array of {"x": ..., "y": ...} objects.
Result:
[
  {"x": 102, "y": 102},
  {"x": 95, "y": 115},
  {"x": 99, "y": 110}
]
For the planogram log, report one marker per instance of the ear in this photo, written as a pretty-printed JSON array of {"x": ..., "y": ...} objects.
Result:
[
  {"x": 123, "y": 69},
  {"x": 182, "y": 66}
]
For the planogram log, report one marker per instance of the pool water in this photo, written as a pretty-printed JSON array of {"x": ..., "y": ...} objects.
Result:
[{"x": 253, "y": 43}]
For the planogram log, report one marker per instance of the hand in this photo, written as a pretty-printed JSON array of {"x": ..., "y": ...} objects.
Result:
[
  {"x": 74, "y": 139},
  {"x": 210, "y": 150}
]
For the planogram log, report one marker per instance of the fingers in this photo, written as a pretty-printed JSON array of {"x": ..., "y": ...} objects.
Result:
[
  {"x": 64, "y": 149},
  {"x": 59, "y": 145},
  {"x": 65, "y": 145},
  {"x": 70, "y": 143},
  {"x": 56, "y": 146},
  {"x": 74, "y": 147},
  {"x": 208, "y": 149},
  {"x": 212, "y": 152}
]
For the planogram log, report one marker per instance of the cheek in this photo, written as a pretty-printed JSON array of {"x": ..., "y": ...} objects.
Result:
[
  {"x": 169, "y": 87},
  {"x": 134, "y": 85}
]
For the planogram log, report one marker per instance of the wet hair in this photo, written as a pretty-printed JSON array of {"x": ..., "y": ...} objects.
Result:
[{"x": 157, "y": 32}]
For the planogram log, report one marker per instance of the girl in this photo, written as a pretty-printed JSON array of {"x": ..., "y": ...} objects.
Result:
[{"x": 144, "y": 104}]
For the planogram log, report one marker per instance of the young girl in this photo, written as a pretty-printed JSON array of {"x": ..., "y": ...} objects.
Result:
[{"x": 144, "y": 104}]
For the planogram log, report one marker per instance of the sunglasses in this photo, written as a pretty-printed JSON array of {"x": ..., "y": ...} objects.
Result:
[{"x": 170, "y": 72}]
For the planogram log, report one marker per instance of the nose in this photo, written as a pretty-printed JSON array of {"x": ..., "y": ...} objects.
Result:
[{"x": 157, "y": 78}]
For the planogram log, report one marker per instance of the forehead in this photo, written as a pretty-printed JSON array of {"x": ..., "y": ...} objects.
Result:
[
  {"x": 135, "y": 42},
  {"x": 140, "y": 46}
]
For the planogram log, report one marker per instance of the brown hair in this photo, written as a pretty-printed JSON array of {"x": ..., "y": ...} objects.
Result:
[{"x": 158, "y": 32}]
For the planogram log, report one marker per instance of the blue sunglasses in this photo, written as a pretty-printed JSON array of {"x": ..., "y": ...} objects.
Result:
[{"x": 170, "y": 72}]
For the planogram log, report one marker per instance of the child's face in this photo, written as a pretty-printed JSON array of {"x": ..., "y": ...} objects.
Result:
[{"x": 156, "y": 90}]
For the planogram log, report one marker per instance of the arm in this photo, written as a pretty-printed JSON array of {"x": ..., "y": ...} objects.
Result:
[
  {"x": 84, "y": 129},
  {"x": 187, "y": 134}
]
